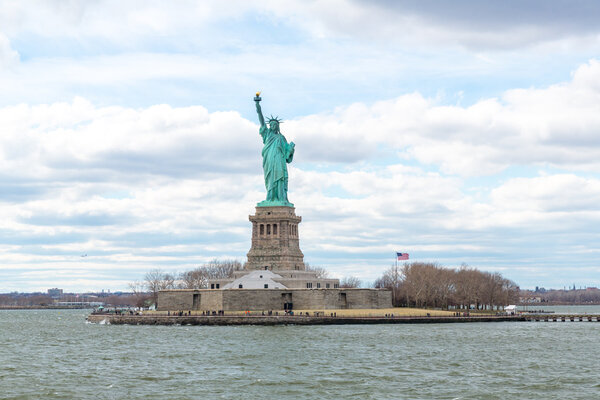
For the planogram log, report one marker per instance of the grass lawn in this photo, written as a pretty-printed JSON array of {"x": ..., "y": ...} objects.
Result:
[{"x": 380, "y": 312}]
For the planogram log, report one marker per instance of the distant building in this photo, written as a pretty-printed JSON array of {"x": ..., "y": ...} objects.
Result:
[{"x": 55, "y": 292}]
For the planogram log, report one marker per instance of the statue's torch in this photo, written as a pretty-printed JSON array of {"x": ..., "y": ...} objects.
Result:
[{"x": 257, "y": 98}]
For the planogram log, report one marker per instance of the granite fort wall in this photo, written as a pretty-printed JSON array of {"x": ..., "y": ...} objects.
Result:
[
  {"x": 273, "y": 299},
  {"x": 183, "y": 299}
]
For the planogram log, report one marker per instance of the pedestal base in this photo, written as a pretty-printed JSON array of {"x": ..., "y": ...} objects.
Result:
[
  {"x": 275, "y": 239},
  {"x": 269, "y": 203}
]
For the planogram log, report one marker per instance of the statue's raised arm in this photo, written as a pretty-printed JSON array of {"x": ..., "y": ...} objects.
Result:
[{"x": 257, "y": 100}]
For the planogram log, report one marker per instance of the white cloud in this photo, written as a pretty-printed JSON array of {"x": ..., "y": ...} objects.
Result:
[
  {"x": 554, "y": 126},
  {"x": 310, "y": 55},
  {"x": 560, "y": 195},
  {"x": 76, "y": 138},
  {"x": 470, "y": 24},
  {"x": 108, "y": 19},
  {"x": 8, "y": 57},
  {"x": 475, "y": 25}
]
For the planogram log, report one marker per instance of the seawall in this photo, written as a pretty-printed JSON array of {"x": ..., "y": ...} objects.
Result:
[{"x": 284, "y": 320}]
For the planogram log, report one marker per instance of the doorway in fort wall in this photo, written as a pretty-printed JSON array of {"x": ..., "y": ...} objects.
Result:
[
  {"x": 343, "y": 300},
  {"x": 287, "y": 301}
]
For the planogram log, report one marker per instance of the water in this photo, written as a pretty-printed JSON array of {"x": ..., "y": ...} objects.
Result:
[{"x": 50, "y": 354}]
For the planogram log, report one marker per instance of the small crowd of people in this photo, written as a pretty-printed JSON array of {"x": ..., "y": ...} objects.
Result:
[
  {"x": 179, "y": 313},
  {"x": 459, "y": 314},
  {"x": 117, "y": 311}
]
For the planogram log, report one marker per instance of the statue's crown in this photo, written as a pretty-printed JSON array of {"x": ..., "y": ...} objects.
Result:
[{"x": 271, "y": 119}]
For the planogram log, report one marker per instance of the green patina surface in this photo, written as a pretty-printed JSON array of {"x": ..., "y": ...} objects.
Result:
[{"x": 276, "y": 154}]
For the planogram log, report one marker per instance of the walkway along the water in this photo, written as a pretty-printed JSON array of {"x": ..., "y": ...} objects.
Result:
[{"x": 285, "y": 319}]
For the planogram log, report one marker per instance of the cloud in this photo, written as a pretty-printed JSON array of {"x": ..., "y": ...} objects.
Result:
[
  {"x": 554, "y": 126},
  {"x": 108, "y": 19},
  {"x": 561, "y": 195},
  {"x": 63, "y": 141},
  {"x": 309, "y": 56},
  {"x": 8, "y": 57},
  {"x": 474, "y": 25}
]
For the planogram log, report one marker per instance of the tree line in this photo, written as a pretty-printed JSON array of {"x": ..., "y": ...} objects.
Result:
[
  {"x": 34, "y": 299},
  {"x": 429, "y": 285},
  {"x": 197, "y": 278},
  {"x": 345, "y": 282}
]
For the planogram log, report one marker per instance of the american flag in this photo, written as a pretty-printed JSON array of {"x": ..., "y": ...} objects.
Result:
[{"x": 402, "y": 256}]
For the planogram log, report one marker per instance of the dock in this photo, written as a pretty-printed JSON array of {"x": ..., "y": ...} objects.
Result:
[{"x": 563, "y": 317}]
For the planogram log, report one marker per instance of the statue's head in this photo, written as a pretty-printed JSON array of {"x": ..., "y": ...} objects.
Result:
[{"x": 274, "y": 123}]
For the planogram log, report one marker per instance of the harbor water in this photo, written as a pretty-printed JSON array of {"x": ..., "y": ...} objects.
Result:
[{"x": 52, "y": 354}]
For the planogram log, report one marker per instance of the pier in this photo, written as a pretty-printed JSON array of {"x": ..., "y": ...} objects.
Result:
[{"x": 562, "y": 317}]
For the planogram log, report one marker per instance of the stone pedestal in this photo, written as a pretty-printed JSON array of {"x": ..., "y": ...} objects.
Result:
[{"x": 275, "y": 240}]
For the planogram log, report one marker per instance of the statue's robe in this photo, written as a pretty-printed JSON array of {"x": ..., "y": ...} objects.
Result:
[{"x": 276, "y": 153}]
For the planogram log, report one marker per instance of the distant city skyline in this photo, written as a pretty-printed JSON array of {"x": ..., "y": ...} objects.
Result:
[{"x": 460, "y": 133}]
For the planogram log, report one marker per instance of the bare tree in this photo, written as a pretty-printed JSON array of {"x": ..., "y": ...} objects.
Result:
[
  {"x": 466, "y": 287},
  {"x": 350, "y": 282},
  {"x": 392, "y": 279},
  {"x": 194, "y": 279},
  {"x": 444, "y": 287},
  {"x": 491, "y": 288},
  {"x": 320, "y": 271},
  {"x": 139, "y": 292},
  {"x": 198, "y": 278},
  {"x": 217, "y": 269},
  {"x": 157, "y": 280},
  {"x": 511, "y": 290},
  {"x": 419, "y": 283}
]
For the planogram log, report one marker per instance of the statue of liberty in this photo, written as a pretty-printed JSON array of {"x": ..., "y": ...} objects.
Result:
[{"x": 276, "y": 153}]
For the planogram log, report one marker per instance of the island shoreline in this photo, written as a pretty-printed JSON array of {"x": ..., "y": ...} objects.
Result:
[{"x": 226, "y": 320}]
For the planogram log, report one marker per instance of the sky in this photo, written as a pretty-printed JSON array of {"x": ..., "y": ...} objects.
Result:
[{"x": 463, "y": 132}]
